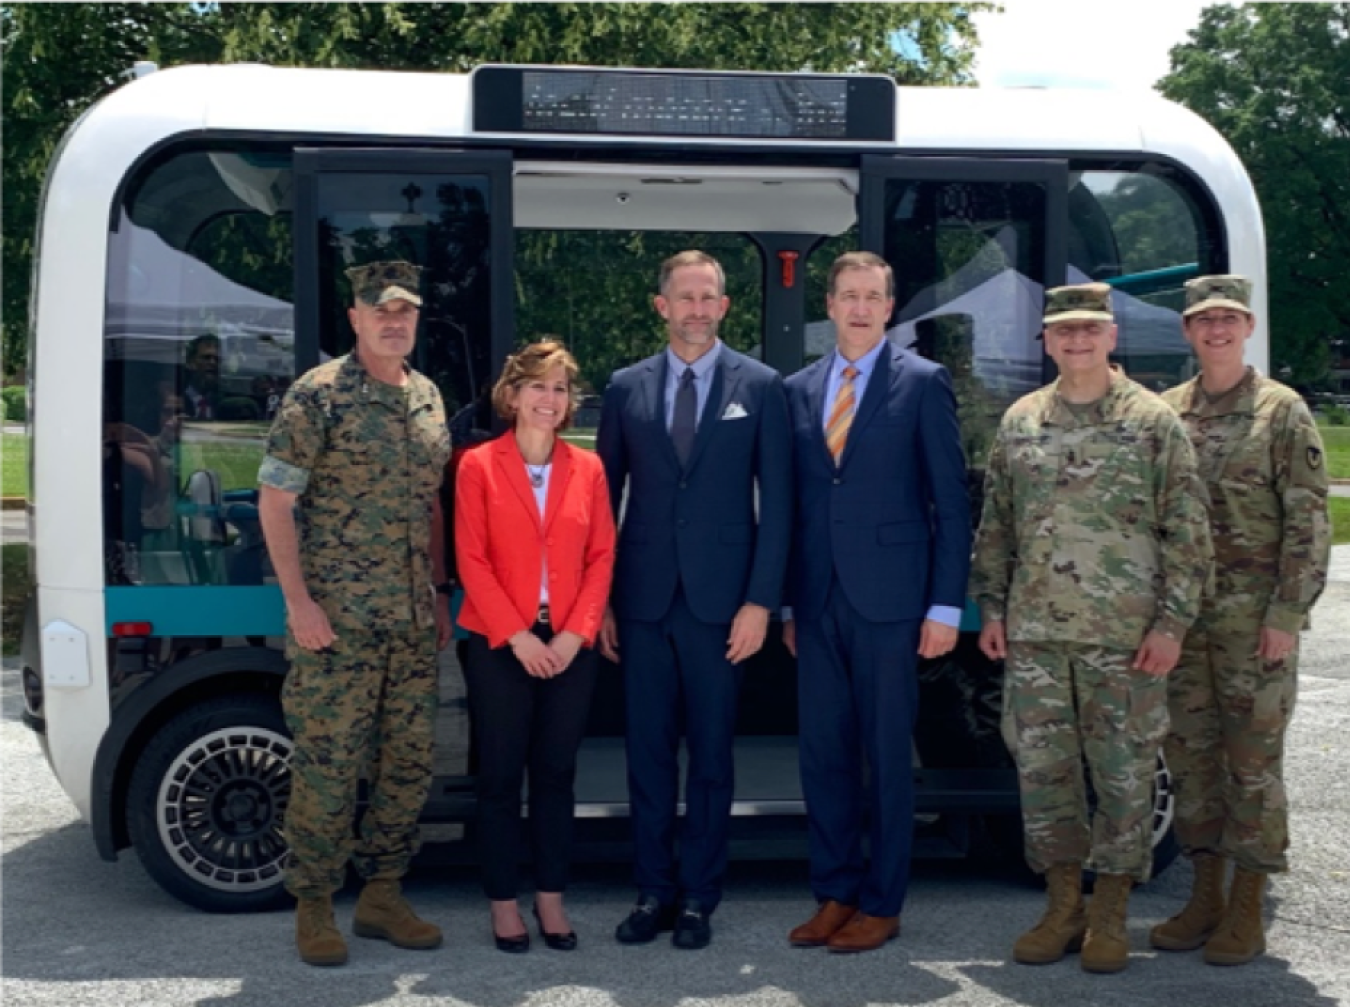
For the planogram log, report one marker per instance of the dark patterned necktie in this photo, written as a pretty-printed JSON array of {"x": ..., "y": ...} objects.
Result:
[{"x": 685, "y": 421}]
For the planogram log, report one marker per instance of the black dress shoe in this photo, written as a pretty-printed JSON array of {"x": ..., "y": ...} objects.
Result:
[
  {"x": 692, "y": 929},
  {"x": 558, "y": 942},
  {"x": 647, "y": 919}
]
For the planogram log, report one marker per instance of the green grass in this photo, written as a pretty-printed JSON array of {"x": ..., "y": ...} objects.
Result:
[
  {"x": 14, "y": 468},
  {"x": 1336, "y": 440},
  {"x": 13, "y": 598},
  {"x": 237, "y": 464},
  {"x": 1340, "y": 519}
]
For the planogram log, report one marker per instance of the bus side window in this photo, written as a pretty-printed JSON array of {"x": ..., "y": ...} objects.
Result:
[{"x": 199, "y": 349}]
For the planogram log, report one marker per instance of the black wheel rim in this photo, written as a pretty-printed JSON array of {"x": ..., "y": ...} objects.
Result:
[{"x": 220, "y": 808}]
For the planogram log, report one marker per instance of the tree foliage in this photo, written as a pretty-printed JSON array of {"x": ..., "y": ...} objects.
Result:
[
  {"x": 1275, "y": 80},
  {"x": 60, "y": 58}
]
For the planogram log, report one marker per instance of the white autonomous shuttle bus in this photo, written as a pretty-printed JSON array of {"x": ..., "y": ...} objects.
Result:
[{"x": 194, "y": 230}]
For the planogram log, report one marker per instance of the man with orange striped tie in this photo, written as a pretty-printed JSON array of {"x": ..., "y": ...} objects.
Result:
[{"x": 880, "y": 555}]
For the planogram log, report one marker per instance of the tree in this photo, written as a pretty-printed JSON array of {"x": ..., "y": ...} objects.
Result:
[
  {"x": 60, "y": 58},
  {"x": 1275, "y": 80}
]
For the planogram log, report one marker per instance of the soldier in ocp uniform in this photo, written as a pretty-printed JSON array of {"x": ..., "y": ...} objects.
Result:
[
  {"x": 358, "y": 449},
  {"x": 1091, "y": 556},
  {"x": 1232, "y": 693}
]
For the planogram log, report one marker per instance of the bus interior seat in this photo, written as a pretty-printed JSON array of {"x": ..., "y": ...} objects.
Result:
[{"x": 204, "y": 531}]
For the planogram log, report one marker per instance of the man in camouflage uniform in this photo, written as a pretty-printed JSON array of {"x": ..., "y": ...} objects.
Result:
[
  {"x": 1232, "y": 692},
  {"x": 358, "y": 448},
  {"x": 1091, "y": 556}
]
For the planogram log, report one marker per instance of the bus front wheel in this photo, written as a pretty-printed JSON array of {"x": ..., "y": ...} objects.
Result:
[{"x": 206, "y": 804}]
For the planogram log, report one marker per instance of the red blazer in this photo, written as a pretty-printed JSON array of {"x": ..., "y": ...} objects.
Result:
[{"x": 500, "y": 542}]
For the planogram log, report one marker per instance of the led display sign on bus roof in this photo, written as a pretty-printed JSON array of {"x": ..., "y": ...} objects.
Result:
[{"x": 840, "y": 108}]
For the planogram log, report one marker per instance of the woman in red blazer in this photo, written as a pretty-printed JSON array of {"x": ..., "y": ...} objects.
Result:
[{"x": 534, "y": 539}]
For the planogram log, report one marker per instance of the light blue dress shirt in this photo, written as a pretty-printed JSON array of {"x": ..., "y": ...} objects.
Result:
[{"x": 703, "y": 375}]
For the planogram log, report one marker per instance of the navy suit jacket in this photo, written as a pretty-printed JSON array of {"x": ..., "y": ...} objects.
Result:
[
  {"x": 718, "y": 526},
  {"x": 892, "y": 520}
]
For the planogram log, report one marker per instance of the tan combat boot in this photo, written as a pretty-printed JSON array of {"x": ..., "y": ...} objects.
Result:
[
  {"x": 316, "y": 935},
  {"x": 1107, "y": 947},
  {"x": 1241, "y": 935},
  {"x": 1191, "y": 927},
  {"x": 1061, "y": 929},
  {"x": 383, "y": 913}
]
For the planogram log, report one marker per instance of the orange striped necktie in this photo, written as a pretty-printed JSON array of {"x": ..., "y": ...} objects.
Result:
[{"x": 841, "y": 416}]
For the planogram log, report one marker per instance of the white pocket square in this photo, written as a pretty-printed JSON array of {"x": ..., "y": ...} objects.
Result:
[{"x": 735, "y": 411}]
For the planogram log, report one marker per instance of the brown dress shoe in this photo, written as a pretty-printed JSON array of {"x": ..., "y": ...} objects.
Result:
[
  {"x": 821, "y": 927},
  {"x": 864, "y": 933}
]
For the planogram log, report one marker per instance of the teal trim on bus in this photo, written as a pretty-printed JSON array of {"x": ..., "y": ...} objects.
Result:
[
  {"x": 210, "y": 610},
  {"x": 199, "y": 609},
  {"x": 1152, "y": 280}
]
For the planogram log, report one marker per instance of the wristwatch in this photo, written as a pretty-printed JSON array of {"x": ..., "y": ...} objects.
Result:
[{"x": 445, "y": 587}]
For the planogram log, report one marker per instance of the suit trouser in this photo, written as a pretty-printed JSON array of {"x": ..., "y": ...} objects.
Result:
[
  {"x": 676, "y": 675},
  {"x": 368, "y": 702},
  {"x": 858, "y": 691},
  {"x": 525, "y": 723},
  {"x": 1065, "y": 704},
  {"x": 1230, "y": 710}
]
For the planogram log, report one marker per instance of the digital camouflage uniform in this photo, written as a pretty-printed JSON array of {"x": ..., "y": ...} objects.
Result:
[
  {"x": 1093, "y": 534},
  {"x": 1261, "y": 459},
  {"x": 366, "y": 460}
]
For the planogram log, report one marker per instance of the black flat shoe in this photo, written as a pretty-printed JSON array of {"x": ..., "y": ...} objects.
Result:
[{"x": 558, "y": 942}]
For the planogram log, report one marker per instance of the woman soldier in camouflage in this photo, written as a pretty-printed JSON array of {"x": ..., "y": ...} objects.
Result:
[{"x": 1232, "y": 693}]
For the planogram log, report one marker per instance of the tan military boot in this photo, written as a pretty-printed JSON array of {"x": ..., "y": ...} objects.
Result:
[
  {"x": 316, "y": 935},
  {"x": 383, "y": 913},
  {"x": 1061, "y": 929},
  {"x": 1191, "y": 927},
  {"x": 1107, "y": 946},
  {"x": 1241, "y": 935}
]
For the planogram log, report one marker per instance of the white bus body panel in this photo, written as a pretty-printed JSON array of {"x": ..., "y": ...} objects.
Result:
[{"x": 76, "y": 716}]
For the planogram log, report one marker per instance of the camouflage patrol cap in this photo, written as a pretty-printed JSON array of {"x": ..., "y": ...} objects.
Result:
[
  {"x": 1087, "y": 302},
  {"x": 1226, "y": 291},
  {"x": 378, "y": 282}
]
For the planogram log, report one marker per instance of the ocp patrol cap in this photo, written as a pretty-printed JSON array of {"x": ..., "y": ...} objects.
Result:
[
  {"x": 1222, "y": 291},
  {"x": 1086, "y": 302}
]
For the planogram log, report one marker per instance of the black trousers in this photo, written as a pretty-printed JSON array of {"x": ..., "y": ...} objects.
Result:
[{"x": 524, "y": 723}]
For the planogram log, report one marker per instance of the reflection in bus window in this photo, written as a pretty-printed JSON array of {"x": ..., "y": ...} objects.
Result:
[
  {"x": 198, "y": 349},
  {"x": 441, "y": 223},
  {"x": 1143, "y": 231}
]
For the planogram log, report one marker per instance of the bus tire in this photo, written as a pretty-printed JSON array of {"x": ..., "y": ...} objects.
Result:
[{"x": 206, "y": 804}]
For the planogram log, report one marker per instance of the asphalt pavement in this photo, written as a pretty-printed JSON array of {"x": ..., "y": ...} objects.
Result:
[{"x": 81, "y": 931}]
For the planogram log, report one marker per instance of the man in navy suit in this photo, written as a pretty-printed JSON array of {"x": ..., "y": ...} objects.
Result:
[
  {"x": 880, "y": 556},
  {"x": 698, "y": 435}
]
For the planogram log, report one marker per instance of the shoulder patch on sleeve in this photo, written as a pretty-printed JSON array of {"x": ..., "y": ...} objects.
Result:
[{"x": 1314, "y": 456}]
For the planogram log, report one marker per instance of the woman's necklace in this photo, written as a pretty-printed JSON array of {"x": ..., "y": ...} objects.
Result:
[{"x": 537, "y": 472}]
